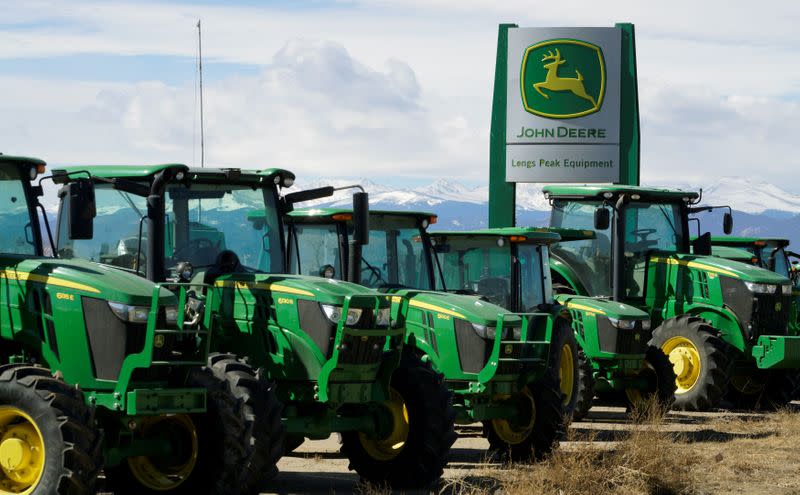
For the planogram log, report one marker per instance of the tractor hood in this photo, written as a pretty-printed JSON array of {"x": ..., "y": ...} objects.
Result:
[
  {"x": 467, "y": 307},
  {"x": 321, "y": 289},
  {"x": 605, "y": 307},
  {"x": 83, "y": 278},
  {"x": 721, "y": 266}
]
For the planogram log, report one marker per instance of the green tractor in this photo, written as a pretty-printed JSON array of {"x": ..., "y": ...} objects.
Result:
[
  {"x": 609, "y": 343},
  {"x": 769, "y": 253},
  {"x": 720, "y": 322},
  {"x": 333, "y": 348},
  {"x": 494, "y": 361},
  {"x": 100, "y": 369}
]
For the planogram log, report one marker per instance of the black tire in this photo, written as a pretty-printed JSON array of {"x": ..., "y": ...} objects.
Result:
[
  {"x": 431, "y": 432},
  {"x": 710, "y": 384},
  {"x": 262, "y": 412},
  {"x": 564, "y": 346},
  {"x": 72, "y": 443},
  {"x": 292, "y": 443},
  {"x": 765, "y": 390},
  {"x": 223, "y": 444},
  {"x": 585, "y": 391},
  {"x": 548, "y": 426},
  {"x": 660, "y": 376}
]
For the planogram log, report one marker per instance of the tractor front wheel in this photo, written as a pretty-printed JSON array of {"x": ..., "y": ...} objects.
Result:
[
  {"x": 213, "y": 452},
  {"x": 762, "y": 389},
  {"x": 414, "y": 453},
  {"x": 536, "y": 437},
  {"x": 48, "y": 442},
  {"x": 699, "y": 360},
  {"x": 565, "y": 359},
  {"x": 661, "y": 379}
]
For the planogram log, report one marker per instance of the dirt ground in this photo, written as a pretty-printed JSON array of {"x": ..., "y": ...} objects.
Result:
[{"x": 692, "y": 453}]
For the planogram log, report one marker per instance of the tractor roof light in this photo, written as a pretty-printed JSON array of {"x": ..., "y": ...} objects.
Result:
[
  {"x": 501, "y": 242},
  {"x": 342, "y": 217},
  {"x": 517, "y": 238},
  {"x": 635, "y": 197},
  {"x": 607, "y": 195},
  {"x": 288, "y": 182},
  {"x": 433, "y": 219}
]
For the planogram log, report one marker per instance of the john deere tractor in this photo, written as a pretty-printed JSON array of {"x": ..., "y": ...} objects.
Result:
[
  {"x": 720, "y": 322},
  {"x": 100, "y": 368},
  {"x": 494, "y": 361},
  {"x": 332, "y": 347},
  {"x": 770, "y": 253},
  {"x": 609, "y": 342}
]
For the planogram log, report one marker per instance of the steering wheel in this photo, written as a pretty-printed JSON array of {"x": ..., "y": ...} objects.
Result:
[
  {"x": 643, "y": 233},
  {"x": 375, "y": 275}
]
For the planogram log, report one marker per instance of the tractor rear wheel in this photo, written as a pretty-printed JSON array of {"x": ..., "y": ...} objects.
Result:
[
  {"x": 699, "y": 360},
  {"x": 762, "y": 389},
  {"x": 539, "y": 436},
  {"x": 565, "y": 360},
  {"x": 211, "y": 452},
  {"x": 661, "y": 381},
  {"x": 415, "y": 453},
  {"x": 48, "y": 442}
]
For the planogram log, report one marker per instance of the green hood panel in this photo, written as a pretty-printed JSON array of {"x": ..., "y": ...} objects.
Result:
[
  {"x": 321, "y": 289},
  {"x": 605, "y": 307},
  {"x": 721, "y": 266},
  {"x": 84, "y": 278},
  {"x": 467, "y": 307}
]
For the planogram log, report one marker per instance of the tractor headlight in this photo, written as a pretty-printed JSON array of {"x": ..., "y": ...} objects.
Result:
[
  {"x": 761, "y": 288},
  {"x": 383, "y": 317},
  {"x": 334, "y": 314},
  {"x": 133, "y": 314},
  {"x": 623, "y": 324},
  {"x": 786, "y": 290},
  {"x": 172, "y": 315},
  {"x": 485, "y": 331},
  {"x": 645, "y": 324}
]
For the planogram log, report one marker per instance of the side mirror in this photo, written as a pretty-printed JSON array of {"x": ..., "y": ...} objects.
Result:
[
  {"x": 602, "y": 218},
  {"x": 727, "y": 223},
  {"x": 309, "y": 194},
  {"x": 81, "y": 209},
  {"x": 361, "y": 218}
]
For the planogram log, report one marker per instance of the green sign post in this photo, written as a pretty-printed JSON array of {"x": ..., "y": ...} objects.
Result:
[{"x": 565, "y": 109}]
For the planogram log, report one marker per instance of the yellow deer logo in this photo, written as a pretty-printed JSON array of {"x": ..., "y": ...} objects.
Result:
[{"x": 553, "y": 82}]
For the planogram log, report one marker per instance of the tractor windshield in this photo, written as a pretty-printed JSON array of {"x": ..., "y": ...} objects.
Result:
[
  {"x": 477, "y": 265},
  {"x": 117, "y": 227},
  {"x": 395, "y": 256},
  {"x": 589, "y": 258},
  {"x": 649, "y": 227},
  {"x": 771, "y": 256},
  {"x": 314, "y": 250},
  {"x": 15, "y": 215},
  {"x": 207, "y": 218}
]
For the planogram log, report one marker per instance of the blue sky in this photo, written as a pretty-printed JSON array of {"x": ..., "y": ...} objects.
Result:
[{"x": 397, "y": 90}]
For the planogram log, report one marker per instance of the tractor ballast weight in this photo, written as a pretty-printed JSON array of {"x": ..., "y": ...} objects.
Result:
[
  {"x": 721, "y": 322},
  {"x": 333, "y": 348},
  {"x": 97, "y": 365}
]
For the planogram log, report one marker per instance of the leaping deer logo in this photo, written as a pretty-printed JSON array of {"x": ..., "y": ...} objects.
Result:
[{"x": 553, "y": 82}]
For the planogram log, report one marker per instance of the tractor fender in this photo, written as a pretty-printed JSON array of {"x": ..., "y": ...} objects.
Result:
[
  {"x": 563, "y": 274},
  {"x": 723, "y": 320}
]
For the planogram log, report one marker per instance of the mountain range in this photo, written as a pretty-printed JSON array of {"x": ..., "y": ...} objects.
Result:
[{"x": 760, "y": 208}]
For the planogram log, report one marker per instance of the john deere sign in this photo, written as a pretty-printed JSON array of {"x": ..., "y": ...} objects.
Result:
[
  {"x": 565, "y": 110},
  {"x": 552, "y": 84}
]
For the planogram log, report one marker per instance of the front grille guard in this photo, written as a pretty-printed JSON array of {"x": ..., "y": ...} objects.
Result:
[
  {"x": 527, "y": 355},
  {"x": 348, "y": 344}
]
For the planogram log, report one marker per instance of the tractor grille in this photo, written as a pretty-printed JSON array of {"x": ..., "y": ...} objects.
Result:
[
  {"x": 473, "y": 350},
  {"x": 759, "y": 314},
  {"x": 314, "y": 323},
  {"x": 110, "y": 339},
  {"x": 361, "y": 350},
  {"x": 619, "y": 341}
]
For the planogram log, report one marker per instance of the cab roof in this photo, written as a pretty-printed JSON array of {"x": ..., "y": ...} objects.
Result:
[
  {"x": 534, "y": 235},
  {"x": 317, "y": 214},
  {"x": 147, "y": 171},
  {"x": 598, "y": 190},
  {"x": 725, "y": 240},
  {"x": 20, "y": 160}
]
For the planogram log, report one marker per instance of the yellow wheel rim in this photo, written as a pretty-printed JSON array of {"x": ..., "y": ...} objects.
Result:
[
  {"x": 22, "y": 452},
  {"x": 514, "y": 434},
  {"x": 566, "y": 373},
  {"x": 685, "y": 361},
  {"x": 161, "y": 474},
  {"x": 387, "y": 449}
]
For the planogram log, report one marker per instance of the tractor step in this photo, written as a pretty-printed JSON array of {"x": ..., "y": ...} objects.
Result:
[{"x": 777, "y": 352}]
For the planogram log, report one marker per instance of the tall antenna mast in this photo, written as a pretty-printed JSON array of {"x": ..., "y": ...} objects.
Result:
[{"x": 200, "y": 69}]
